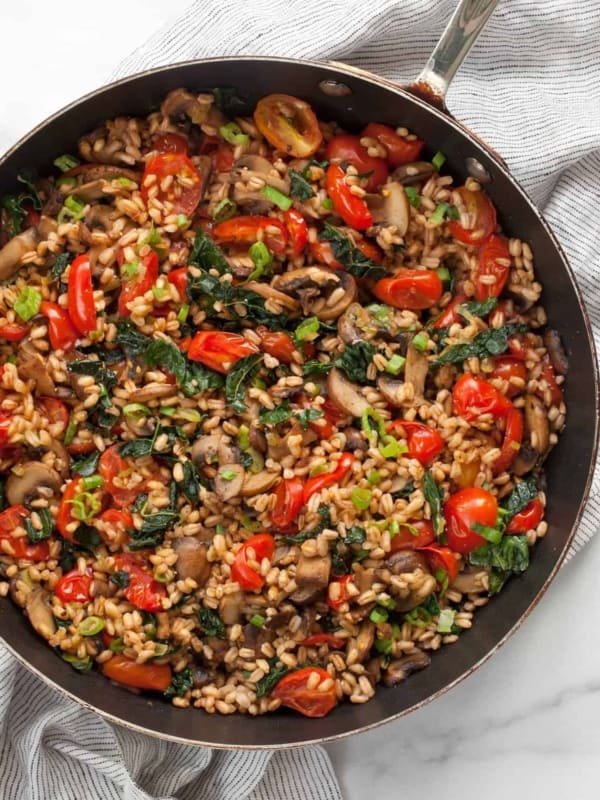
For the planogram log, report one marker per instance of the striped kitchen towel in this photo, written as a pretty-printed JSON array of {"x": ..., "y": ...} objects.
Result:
[{"x": 531, "y": 89}]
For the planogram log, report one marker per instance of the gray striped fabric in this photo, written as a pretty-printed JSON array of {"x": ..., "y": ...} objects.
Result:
[{"x": 531, "y": 89}]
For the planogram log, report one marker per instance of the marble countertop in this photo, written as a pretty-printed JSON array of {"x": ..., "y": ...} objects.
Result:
[{"x": 528, "y": 721}]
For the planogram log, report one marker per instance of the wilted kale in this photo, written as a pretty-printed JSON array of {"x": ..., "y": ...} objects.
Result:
[
  {"x": 491, "y": 342},
  {"x": 239, "y": 376},
  {"x": 211, "y": 622},
  {"x": 181, "y": 682},
  {"x": 355, "y": 361},
  {"x": 353, "y": 259}
]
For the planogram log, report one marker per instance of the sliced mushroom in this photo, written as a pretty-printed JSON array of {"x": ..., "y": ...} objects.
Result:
[
  {"x": 14, "y": 250},
  {"x": 62, "y": 459},
  {"x": 257, "y": 438},
  {"x": 391, "y": 389},
  {"x": 230, "y": 607},
  {"x": 98, "y": 146},
  {"x": 345, "y": 394},
  {"x": 358, "y": 323},
  {"x": 31, "y": 366},
  {"x": 355, "y": 440},
  {"x": 390, "y": 206},
  {"x": 283, "y": 301},
  {"x": 364, "y": 640},
  {"x": 205, "y": 449},
  {"x": 100, "y": 217},
  {"x": 255, "y": 637},
  {"x": 523, "y": 296},
  {"x": 416, "y": 369},
  {"x": 309, "y": 283},
  {"x": 191, "y": 559},
  {"x": 399, "y": 669},
  {"x": 414, "y": 172},
  {"x": 46, "y": 226},
  {"x": 227, "y": 451},
  {"x": 470, "y": 581},
  {"x": 229, "y": 481},
  {"x": 153, "y": 391},
  {"x": 259, "y": 483},
  {"x": 88, "y": 173},
  {"x": 22, "y": 486},
  {"x": 181, "y": 102},
  {"x": 556, "y": 352},
  {"x": 537, "y": 427},
  {"x": 39, "y": 612},
  {"x": 312, "y": 577},
  {"x": 249, "y": 175},
  {"x": 403, "y": 561}
]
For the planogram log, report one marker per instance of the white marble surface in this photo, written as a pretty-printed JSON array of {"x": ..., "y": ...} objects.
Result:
[{"x": 528, "y": 722}]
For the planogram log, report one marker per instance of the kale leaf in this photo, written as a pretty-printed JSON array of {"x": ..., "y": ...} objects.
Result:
[
  {"x": 239, "y": 376},
  {"x": 324, "y": 514},
  {"x": 491, "y": 342},
  {"x": 355, "y": 361},
  {"x": 86, "y": 465},
  {"x": 36, "y": 536},
  {"x": 130, "y": 339},
  {"x": 153, "y": 529},
  {"x": 353, "y": 259},
  {"x": 181, "y": 682},
  {"x": 211, "y": 622},
  {"x": 61, "y": 262},
  {"x": 510, "y": 556},
  {"x": 275, "y": 415},
  {"x": 299, "y": 186},
  {"x": 95, "y": 368},
  {"x": 355, "y": 535},
  {"x": 206, "y": 255},
  {"x": 478, "y": 309},
  {"x": 524, "y": 492},
  {"x": 271, "y": 679},
  {"x": 435, "y": 497},
  {"x": 229, "y": 101}
]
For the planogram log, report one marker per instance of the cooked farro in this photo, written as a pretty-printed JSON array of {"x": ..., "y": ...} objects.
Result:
[{"x": 271, "y": 428}]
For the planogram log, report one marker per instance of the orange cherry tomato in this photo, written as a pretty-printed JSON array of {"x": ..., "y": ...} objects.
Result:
[
  {"x": 399, "y": 149},
  {"x": 80, "y": 296},
  {"x": 277, "y": 344},
  {"x": 65, "y": 510},
  {"x": 337, "y": 592},
  {"x": 61, "y": 330},
  {"x": 14, "y": 517},
  {"x": 288, "y": 502},
  {"x": 462, "y": 510},
  {"x": 74, "y": 587},
  {"x": 248, "y": 578},
  {"x": 424, "y": 443},
  {"x": 155, "y": 677},
  {"x": 528, "y": 519},
  {"x": 346, "y": 148},
  {"x": 115, "y": 470},
  {"x": 407, "y": 539},
  {"x": 184, "y": 192},
  {"x": 481, "y": 207},
  {"x": 293, "y": 692},
  {"x": 440, "y": 557},
  {"x": 141, "y": 281},
  {"x": 450, "y": 315},
  {"x": 248, "y": 229},
  {"x": 288, "y": 124},
  {"x": 351, "y": 208},
  {"x": 170, "y": 143},
  {"x": 219, "y": 350},
  {"x": 297, "y": 231},
  {"x": 511, "y": 444},
  {"x": 319, "y": 482},
  {"x": 14, "y": 332},
  {"x": 413, "y": 289},
  {"x": 494, "y": 262},
  {"x": 473, "y": 396},
  {"x": 318, "y": 639},
  {"x": 507, "y": 368}
]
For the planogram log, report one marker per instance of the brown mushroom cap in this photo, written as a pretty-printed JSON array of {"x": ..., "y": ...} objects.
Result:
[
  {"x": 229, "y": 480},
  {"x": 192, "y": 559},
  {"x": 414, "y": 172},
  {"x": 179, "y": 102},
  {"x": 14, "y": 250},
  {"x": 312, "y": 577},
  {"x": 32, "y": 366},
  {"x": 259, "y": 483},
  {"x": 40, "y": 613},
  {"x": 345, "y": 394},
  {"x": 390, "y": 206},
  {"x": 399, "y": 669},
  {"x": 312, "y": 284},
  {"x": 249, "y": 175},
  {"x": 21, "y": 487}
]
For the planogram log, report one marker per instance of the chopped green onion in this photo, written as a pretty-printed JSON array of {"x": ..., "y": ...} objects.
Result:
[
  {"x": 394, "y": 528},
  {"x": 374, "y": 477},
  {"x": 446, "y": 620},
  {"x": 126, "y": 183},
  {"x": 361, "y": 499},
  {"x": 232, "y": 133},
  {"x": 418, "y": 616},
  {"x": 386, "y": 602},
  {"x": 160, "y": 649},
  {"x": 220, "y": 529},
  {"x": 327, "y": 204},
  {"x": 129, "y": 270},
  {"x": 117, "y": 645},
  {"x": 153, "y": 239},
  {"x": 168, "y": 411},
  {"x": 244, "y": 438},
  {"x": 66, "y": 180},
  {"x": 190, "y": 414},
  {"x": 384, "y": 646},
  {"x": 381, "y": 313},
  {"x": 66, "y": 162},
  {"x": 228, "y": 474},
  {"x": 80, "y": 664},
  {"x": 92, "y": 482},
  {"x": 441, "y": 577},
  {"x": 320, "y": 469},
  {"x": 439, "y": 213},
  {"x": 71, "y": 430},
  {"x": 73, "y": 208},
  {"x": 281, "y": 200},
  {"x": 395, "y": 364},
  {"x": 161, "y": 577},
  {"x": 370, "y": 415},
  {"x": 413, "y": 196},
  {"x": 159, "y": 292},
  {"x": 259, "y": 383},
  {"x": 90, "y": 626},
  {"x": 183, "y": 313},
  {"x": 225, "y": 209},
  {"x": 493, "y": 535},
  {"x": 258, "y": 620},
  {"x": 250, "y": 524},
  {"x": 182, "y": 220},
  {"x": 307, "y": 329},
  {"x": 438, "y": 160},
  {"x": 136, "y": 410},
  {"x": 85, "y": 506},
  {"x": 420, "y": 342},
  {"x": 261, "y": 257},
  {"x": 444, "y": 274},
  {"x": 378, "y": 615},
  {"x": 392, "y": 448},
  {"x": 28, "y": 303}
]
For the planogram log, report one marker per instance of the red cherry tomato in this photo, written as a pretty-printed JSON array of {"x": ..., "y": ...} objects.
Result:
[
  {"x": 55, "y": 410},
  {"x": 479, "y": 205},
  {"x": 155, "y": 677},
  {"x": 337, "y": 592},
  {"x": 423, "y": 442},
  {"x": 219, "y": 350},
  {"x": 32, "y": 217},
  {"x": 247, "y": 577},
  {"x": 351, "y": 208},
  {"x": 511, "y": 444},
  {"x": 407, "y": 539},
  {"x": 288, "y": 124},
  {"x": 548, "y": 374},
  {"x": 348, "y": 149},
  {"x": 80, "y": 296},
  {"x": 14, "y": 517},
  {"x": 473, "y": 396},
  {"x": 399, "y": 149},
  {"x": 494, "y": 262},
  {"x": 223, "y": 158},
  {"x": 5, "y": 421},
  {"x": 81, "y": 448},
  {"x": 61, "y": 330},
  {"x": 178, "y": 277},
  {"x": 143, "y": 591},
  {"x": 413, "y": 289},
  {"x": 293, "y": 692},
  {"x": 182, "y": 197},
  {"x": 507, "y": 368},
  {"x": 440, "y": 557},
  {"x": 13, "y": 331},
  {"x": 65, "y": 510},
  {"x": 140, "y": 282},
  {"x": 74, "y": 587},
  {"x": 318, "y": 639},
  {"x": 288, "y": 502},
  {"x": 248, "y": 229},
  {"x": 170, "y": 143},
  {"x": 323, "y": 254},
  {"x": 528, "y": 519},
  {"x": 120, "y": 523},
  {"x": 277, "y": 344},
  {"x": 461, "y": 511},
  {"x": 450, "y": 314},
  {"x": 116, "y": 471},
  {"x": 320, "y": 482},
  {"x": 297, "y": 231}
]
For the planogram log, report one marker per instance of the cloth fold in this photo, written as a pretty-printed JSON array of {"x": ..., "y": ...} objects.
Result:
[{"x": 531, "y": 89}]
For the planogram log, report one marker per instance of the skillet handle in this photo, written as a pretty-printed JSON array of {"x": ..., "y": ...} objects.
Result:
[{"x": 457, "y": 39}]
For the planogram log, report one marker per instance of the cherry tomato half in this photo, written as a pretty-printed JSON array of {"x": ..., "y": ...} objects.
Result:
[
  {"x": 293, "y": 692},
  {"x": 424, "y": 443},
  {"x": 413, "y": 289},
  {"x": 347, "y": 148},
  {"x": 65, "y": 510},
  {"x": 288, "y": 502},
  {"x": 80, "y": 296},
  {"x": 155, "y": 677},
  {"x": 512, "y": 372},
  {"x": 479, "y": 205},
  {"x": 399, "y": 149},
  {"x": 337, "y": 592},
  {"x": 185, "y": 191},
  {"x": 450, "y": 315},
  {"x": 440, "y": 557},
  {"x": 170, "y": 143},
  {"x": 61, "y": 330},
  {"x": 248, "y": 578},
  {"x": 462, "y": 510},
  {"x": 318, "y": 639},
  {"x": 14, "y": 332},
  {"x": 494, "y": 262},
  {"x": 511, "y": 444},
  {"x": 319, "y": 482},
  {"x": 548, "y": 374},
  {"x": 248, "y": 229},
  {"x": 119, "y": 522},
  {"x": 528, "y": 519},
  {"x": 297, "y": 231},
  {"x": 74, "y": 587},
  {"x": 277, "y": 344},
  {"x": 116, "y": 471},
  {"x": 54, "y": 410},
  {"x": 351, "y": 208},
  {"x": 143, "y": 591},
  {"x": 178, "y": 278},
  {"x": 415, "y": 534},
  {"x": 142, "y": 279},
  {"x": 219, "y": 350},
  {"x": 473, "y": 396},
  {"x": 288, "y": 124},
  {"x": 14, "y": 517}
]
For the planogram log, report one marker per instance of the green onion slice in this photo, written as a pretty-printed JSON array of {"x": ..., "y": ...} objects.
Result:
[
  {"x": 90, "y": 626},
  {"x": 438, "y": 160},
  {"x": 225, "y": 209},
  {"x": 28, "y": 303},
  {"x": 66, "y": 162},
  {"x": 232, "y": 133},
  {"x": 395, "y": 364},
  {"x": 281, "y": 200},
  {"x": 307, "y": 329},
  {"x": 361, "y": 498}
]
